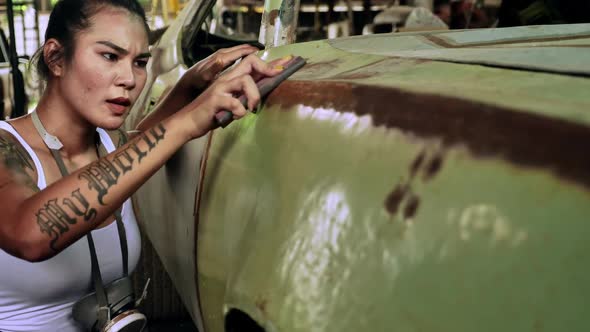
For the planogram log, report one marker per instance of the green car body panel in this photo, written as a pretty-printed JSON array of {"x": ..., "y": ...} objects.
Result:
[{"x": 395, "y": 183}]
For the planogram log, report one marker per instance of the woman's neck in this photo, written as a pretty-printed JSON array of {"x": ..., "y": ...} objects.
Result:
[{"x": 61, "y": 120}]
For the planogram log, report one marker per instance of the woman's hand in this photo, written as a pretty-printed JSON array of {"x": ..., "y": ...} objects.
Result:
[
  {"x": 223, "y": 94},
  {"x": 202, "y": 74}
]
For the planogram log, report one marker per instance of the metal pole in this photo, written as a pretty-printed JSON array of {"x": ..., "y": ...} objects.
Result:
[
  {"x": 18, "y": 107},
  {"x": 279, "y": 23}
]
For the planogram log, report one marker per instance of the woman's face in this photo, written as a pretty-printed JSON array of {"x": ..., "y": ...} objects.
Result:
[{"x": 108, "y": 68}]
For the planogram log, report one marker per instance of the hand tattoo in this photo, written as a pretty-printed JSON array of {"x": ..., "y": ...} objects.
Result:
[{"x": 104, "y": 174}]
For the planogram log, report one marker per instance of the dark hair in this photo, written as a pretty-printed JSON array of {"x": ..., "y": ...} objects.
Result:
[{"x": 69, "y": 17}]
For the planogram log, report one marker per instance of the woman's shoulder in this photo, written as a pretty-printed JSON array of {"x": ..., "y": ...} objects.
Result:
[{"x": 15, "y": 158}]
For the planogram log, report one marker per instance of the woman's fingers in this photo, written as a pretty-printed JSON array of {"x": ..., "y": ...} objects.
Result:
[
  {"x": 229, "y": 55},
  {"x": 250, "y": 90},
  {"x": 242, "y": 85},
  {"x": 229, "y": 103},
  {"x": 240, "y": 48},
  {"x": 252, "y": 65},
  {"x": 206, "y": 70}
]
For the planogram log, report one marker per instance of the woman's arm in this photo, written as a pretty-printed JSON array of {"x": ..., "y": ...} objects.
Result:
[
  {"x": 37, "y": 225},
  {"x": 193, "y": 82}
]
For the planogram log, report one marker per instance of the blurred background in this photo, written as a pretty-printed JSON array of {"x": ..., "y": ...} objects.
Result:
[{"x": 235, "y": 21}]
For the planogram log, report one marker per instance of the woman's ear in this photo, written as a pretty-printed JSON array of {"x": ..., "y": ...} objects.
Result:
[{"x": 53, "y": 55}]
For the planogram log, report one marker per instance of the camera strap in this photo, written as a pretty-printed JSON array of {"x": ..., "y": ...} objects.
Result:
[{"x": 53, "y": 144}]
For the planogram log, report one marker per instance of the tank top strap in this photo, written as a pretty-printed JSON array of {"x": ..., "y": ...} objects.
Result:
[
  {"x": 41, "y": 183},
  {"x": 106, "y": 140}
]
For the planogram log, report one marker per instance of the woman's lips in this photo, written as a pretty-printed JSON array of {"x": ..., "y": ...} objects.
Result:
[
  {"x": 117, "y": 108},
  {"x": 118, "y": 105}
]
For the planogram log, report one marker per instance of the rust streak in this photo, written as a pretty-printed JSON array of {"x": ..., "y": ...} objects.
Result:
[
  {"x": 415, "y": 166},
  {"x": 272, "y": 16},
  {"x": 411, "y": 207},
  {"x": 196, "y": 210},
  {"x": 433, "y": 167},
  {"x": 395, "y": 198},
  {"x": 261, "y": 304},
  {"x": 487, "y": 130},
  {"x": 323, "y": 65},
  {"x": 440, "y": 41}
]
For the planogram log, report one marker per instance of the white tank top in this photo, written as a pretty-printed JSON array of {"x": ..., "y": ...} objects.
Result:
[{"x": 39, "y": 296}]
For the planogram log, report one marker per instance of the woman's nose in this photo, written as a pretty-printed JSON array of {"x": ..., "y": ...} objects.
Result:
[{"x": 126, "y": 77}]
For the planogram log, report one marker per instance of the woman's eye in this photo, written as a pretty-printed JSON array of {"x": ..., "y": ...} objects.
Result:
[
  {"x": 141, "y": 63},
  {"x": 110, "y": 56}
]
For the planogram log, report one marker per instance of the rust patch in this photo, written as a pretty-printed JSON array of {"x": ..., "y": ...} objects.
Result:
[
  {"x": 261, "y": 304},
  {"x": 411, "y": 207},
  {"x": 362, "y": 72},
  {"x": 272, "y": 16},
  {"x": 433, "y": 167},
  {"x": 336, "y": 95},
  {"x": 322, "y": 65},
  {"x": 441, "y": 42},
  {"x": 521, "y": 138},
  {"x": 395, "y": 198},
  {"x": 415, "y": 166},
  {"x": 353, "y": 76}
]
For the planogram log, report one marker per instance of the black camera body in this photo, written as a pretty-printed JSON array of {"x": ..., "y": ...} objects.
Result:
[{"x": 122, "y": 315}]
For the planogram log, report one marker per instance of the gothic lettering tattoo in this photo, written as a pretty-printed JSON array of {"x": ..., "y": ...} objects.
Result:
[
  {"x": 55, "y": 218},
  {"x": 101, "y": 176},
  {"x": 80, "y": 206}
]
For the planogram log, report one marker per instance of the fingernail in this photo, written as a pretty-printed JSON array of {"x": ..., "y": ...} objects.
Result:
[
  {"x": 278, "y": 67},
  {"x": 287, "y": 58},
  {"x": 256, "y": 108}
]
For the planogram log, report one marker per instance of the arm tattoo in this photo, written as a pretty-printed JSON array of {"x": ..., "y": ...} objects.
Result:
[
  {"x": 55, "y": 216},
  {"x": 104, "y": 174},
  {"x": 53, "y": 219},
  {"x": 17, "y": 160}
]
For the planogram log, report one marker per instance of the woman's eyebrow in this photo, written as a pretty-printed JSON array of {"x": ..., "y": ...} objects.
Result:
[{"x": 121, "y": 50}]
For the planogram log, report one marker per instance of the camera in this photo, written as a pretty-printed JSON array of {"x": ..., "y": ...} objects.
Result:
[{"x": 121, "y": 312}]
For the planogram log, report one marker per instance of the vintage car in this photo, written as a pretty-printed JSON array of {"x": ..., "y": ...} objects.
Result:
[{"x": 434, "y": 181}]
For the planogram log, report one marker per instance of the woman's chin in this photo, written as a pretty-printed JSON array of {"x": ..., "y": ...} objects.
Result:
[{"x": 111, "y": 122}]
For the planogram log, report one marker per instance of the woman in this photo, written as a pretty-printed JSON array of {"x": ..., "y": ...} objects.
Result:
[{"x": 94, "y": 63}]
